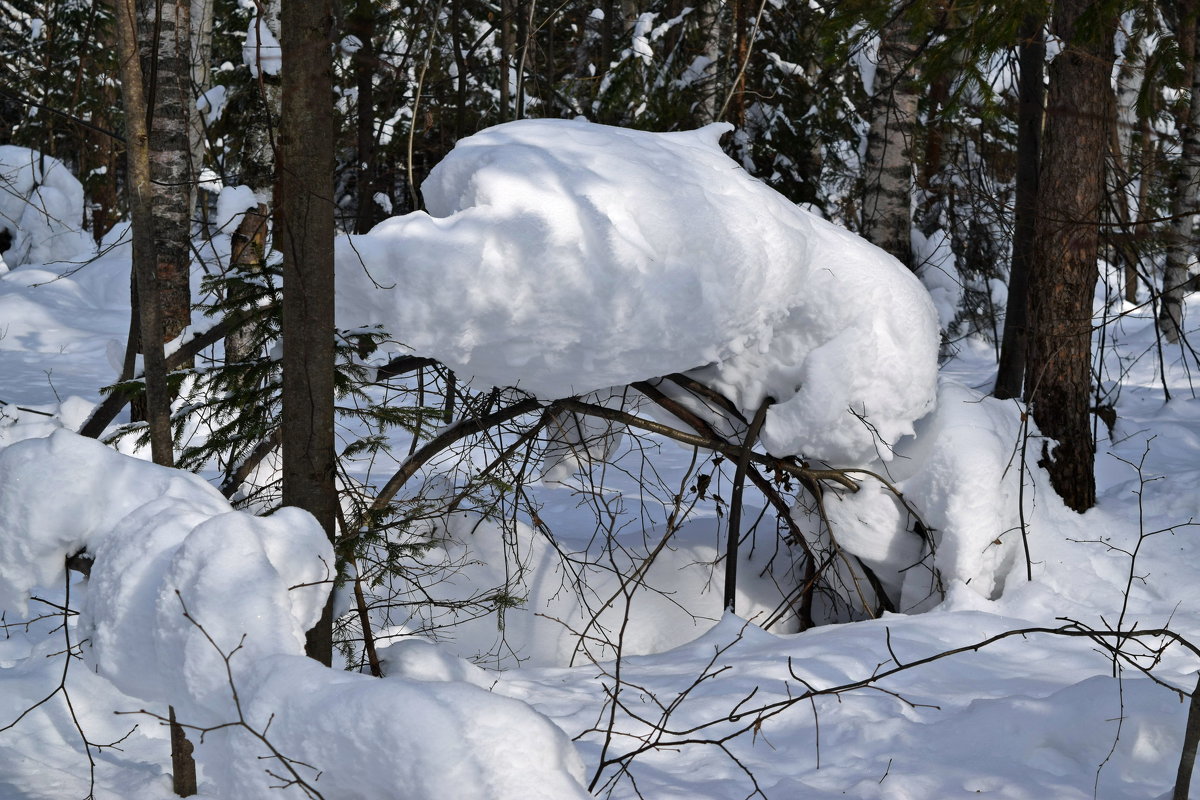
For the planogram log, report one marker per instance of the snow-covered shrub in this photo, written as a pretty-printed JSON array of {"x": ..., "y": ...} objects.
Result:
[
  {"x": 564, "y": 257},
  {"x": 41, "y": 209}
]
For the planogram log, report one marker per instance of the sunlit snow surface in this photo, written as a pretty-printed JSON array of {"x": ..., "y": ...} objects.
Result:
[
  {"x": 564, "y": 257},
  {"x": 1031, "y": 718}
]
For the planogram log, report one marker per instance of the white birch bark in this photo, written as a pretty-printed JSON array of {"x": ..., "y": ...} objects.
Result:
[
  {"x": 200, "y": 60},
  {"x": 887, "y": 205},
  {"x": 165, "y": 36},
  {"x": 1185, "y": 201}
]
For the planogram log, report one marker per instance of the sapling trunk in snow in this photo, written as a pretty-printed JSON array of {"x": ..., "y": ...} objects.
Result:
[
  {"x": 1066, "y": 243},
  {"x": 1185, "y": 188},
  {"x": 887, "y": 173}
]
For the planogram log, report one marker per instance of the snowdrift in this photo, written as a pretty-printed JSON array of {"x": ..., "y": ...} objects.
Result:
[{"x": 164, "y": 538}]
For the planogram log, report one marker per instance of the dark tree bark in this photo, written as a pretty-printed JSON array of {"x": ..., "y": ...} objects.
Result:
[
  {"x": 361, "y": 23},
  {"x": 145, "y": 257},
  {"x": 1030, "y": 110},
  {"x": 304, "y": 234},
  {"x": 1062, "y": 277}
]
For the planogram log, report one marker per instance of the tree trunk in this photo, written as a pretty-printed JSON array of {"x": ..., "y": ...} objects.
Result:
[
  {"x": 304, "y": 234},
  {"x": 887, "y": 212},
  {"x": 361, "y": 23},
  {"x": 249, "y": 240},
  {"x": 1065, "y": 248},
  {"x": 508, "y": 46},
  {"x": 145, "y": 220},
  {"x": 708, "y": 25},
  {"x": 1030, "y": 110},
  {"x": 138, "y": 147},
  {"x": 165, "y": 28},
  {"x": 248, "y": 256},
  {"x": 1185, "y": 188},
  {"x": 199, "y": 58}
]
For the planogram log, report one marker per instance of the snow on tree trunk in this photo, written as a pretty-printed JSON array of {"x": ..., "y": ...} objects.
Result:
[
  {"x": 249, "y": 240},
  {"x": 1185, "y": 192},
  {"x": 1066, "y": 241},
  {"x": 887, "y": 213}
]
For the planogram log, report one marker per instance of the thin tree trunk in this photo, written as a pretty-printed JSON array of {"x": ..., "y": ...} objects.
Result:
[
  {"x": 362, "y": 24},
  {"x": 1065, "y": 249},
  {"x": 142, "y": 211},
  {"x": 249, "y": 240},
  {"x": 887, "y": 212},
  {"x": 304, "y": 234},
  {"x": 1191, "y": 740},
  {"x": 508, "y": 46},
  {"x": 1030, "y": 110},
  {"x": 200, "y": 60},
  {"x": 1185, "y": 188},
  {"x": 708, "y": 23},
  {"x": 247, "y": 255}
]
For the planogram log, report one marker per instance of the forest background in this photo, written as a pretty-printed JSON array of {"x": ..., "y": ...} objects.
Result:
[{"x": 1002, "y": 152}]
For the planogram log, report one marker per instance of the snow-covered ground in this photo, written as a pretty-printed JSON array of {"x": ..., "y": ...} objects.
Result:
[{"x": 702, "y": 705}]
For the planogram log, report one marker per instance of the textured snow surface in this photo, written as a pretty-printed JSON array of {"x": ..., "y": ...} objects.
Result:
[
  {"x": 589, "y": 593},
  {"x": 41, "y": 208},
  {"x": 1030, "y": 718},
  {"x": 252, "y": 586},
  {"x": 565, "y": 257}
]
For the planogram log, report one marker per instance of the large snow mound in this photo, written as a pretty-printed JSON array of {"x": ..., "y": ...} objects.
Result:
[
  {"x": 162, "y": 538},
  {"x": 563, "y": 257},
  {"x": 41, "y": 209}
]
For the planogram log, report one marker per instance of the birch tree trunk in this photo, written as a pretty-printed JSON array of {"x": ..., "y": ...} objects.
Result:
[
  {"x": 147, "y": 274},
  {"x": 708, "y": 23},
  {"x": 1185, "y": 188},
  {"x": 200, "y": 58},
  {"x": 887, "y": 202},
  {"x": 165, "y": 34},
  {"x": 1065, "y": 249}
]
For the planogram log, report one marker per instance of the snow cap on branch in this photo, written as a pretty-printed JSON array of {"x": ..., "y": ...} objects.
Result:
[{"x": 562, "y": 257}]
